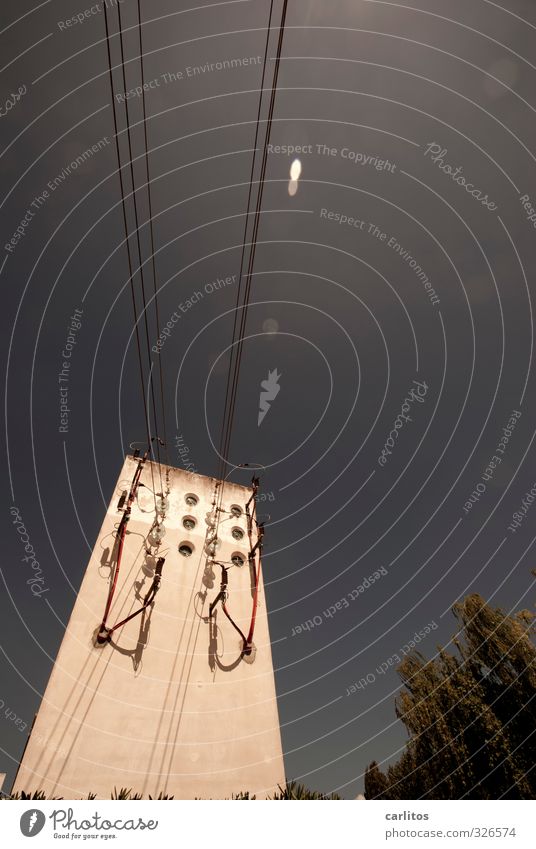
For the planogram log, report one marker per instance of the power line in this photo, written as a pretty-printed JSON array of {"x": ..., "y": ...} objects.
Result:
[
  {"x": 138, "y": 241},
  {"x": 151, "y": 231},
  {"x": 223, "y": 463},
  {"x": 127, "y": 236},
  {"x": 235, "y": 362},
  {"x": 256, "y": 224}
]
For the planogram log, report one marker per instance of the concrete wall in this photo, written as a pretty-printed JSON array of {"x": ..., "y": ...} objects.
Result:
[{"x": 167, "y": 706}]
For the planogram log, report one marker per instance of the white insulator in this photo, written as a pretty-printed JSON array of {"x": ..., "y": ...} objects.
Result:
[
  {"x": 212, "y": 546},
  {"x": 162, "y": 504},
  {"x": 157, "y": 534}
]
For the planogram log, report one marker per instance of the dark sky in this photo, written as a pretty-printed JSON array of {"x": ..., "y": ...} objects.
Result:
[{"x": 388, "y": 101}]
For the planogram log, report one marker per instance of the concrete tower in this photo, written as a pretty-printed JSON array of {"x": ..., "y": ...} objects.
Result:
[{"x": 172, "y": 701}]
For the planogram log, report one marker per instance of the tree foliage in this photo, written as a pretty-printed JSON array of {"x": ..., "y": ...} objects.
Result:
[{"x": 470, "y": 716}]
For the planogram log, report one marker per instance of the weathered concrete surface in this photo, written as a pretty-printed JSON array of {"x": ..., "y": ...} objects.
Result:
[{"x": 168, "y": 706}]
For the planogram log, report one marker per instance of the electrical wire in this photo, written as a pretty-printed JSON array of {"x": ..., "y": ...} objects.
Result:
[
  {"x": 240, "y": 322},
  {"x": 148, "y": 600},
  {"x": 223, "y": 464},
  {"x": 121, "y": 533},
  {"x": 151, "y": 231},
  {"x": 243, "y": 318},
  {"x": 125, "y": 223},
  {"x": 104, "y": 632},
  {"x": 138, "y": 240},
  {"x": 235, "y": 362},
  {"x": 247, "y": 647},
  {"x": 257, "y": 573}
]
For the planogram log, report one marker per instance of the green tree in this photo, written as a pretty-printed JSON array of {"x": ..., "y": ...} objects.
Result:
[{"x": 469, "y": 716}]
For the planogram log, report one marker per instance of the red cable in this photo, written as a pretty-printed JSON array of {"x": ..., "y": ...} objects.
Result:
[
  {"x": 258, "y": 572},
  {"x": 149, "y": 599},
  {"x": 122, "y": 528},
  {"x": 255, "y": 603},
  {"x": 124, "y": 521},
  {"x": 248, "y": 641},
  {"x": 233, "y": 623}
]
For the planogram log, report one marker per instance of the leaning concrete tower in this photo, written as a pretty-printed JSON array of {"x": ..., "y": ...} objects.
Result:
[{"x": 164, "y": 680}]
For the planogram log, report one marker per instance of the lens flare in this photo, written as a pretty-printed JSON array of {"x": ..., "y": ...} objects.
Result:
[{"x": 295, "y": 170}]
